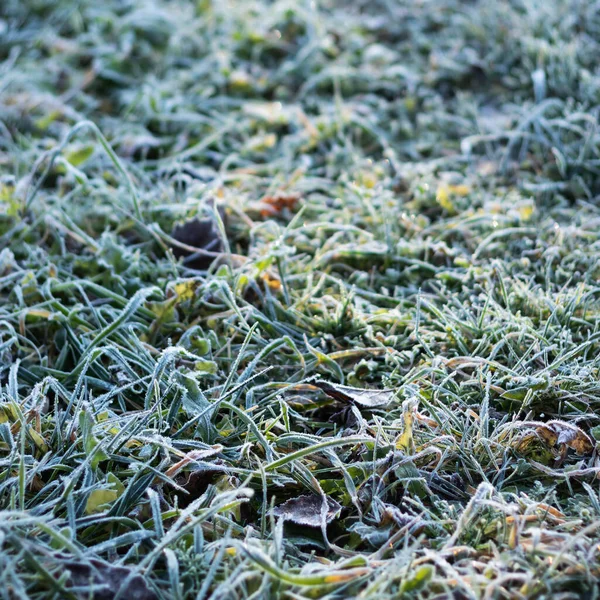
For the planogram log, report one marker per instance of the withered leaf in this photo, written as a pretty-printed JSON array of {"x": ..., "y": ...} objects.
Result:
[
  {"x": 196, "y": 481},
  {"x": 274, "y": 205},
  {"x": 306, "y": 510},
  {"x": 362, "y": 397},
  {"x": 201, "y": 236},
  {"x": 104, "y": 581},
  {"x": 561, "y": 433}
]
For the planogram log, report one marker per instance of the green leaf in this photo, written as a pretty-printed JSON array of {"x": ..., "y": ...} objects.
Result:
[
  {"x": 101, "y": 499},
  {"x": 419, "y": 579},
  {"x": 90, "y": 443},
  {"x": 208, "y": 367},
  {"x": 79, "y": 154}
]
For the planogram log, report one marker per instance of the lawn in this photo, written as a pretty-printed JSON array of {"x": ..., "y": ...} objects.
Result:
[{"x": 299, "y": 299}]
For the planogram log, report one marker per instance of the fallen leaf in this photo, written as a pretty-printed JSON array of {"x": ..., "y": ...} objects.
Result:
[
  {"x": 563, "y": 433},
  {"x": 104, "y": 581},
  {"x": 201, "y": 236},
  {"x": 272, "y": 205},
  {"x": 424, "y": 419},
  {"x": 272, "y": 281},
  {"x": 306, "y": 510},
  {"x": 556, "y": 433},
  {"x": 362, "y": 397},
  {"x": 196, "y": 481},
  {"x": 547, "y": 509}
]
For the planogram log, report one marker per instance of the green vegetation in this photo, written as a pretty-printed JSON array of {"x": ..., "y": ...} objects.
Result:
[{"x": 299, "y": 299}]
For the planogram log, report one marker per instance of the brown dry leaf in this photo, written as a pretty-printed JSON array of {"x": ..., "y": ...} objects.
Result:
[
  {"x": 538, "y": 517},
  {"x": 522, "y": 519},
  {"x": 563, "y": 433},
  {"x": 272, "y": 280},
  {"x": 272, "y": 205},
  {"x": 428, "y": 421},
  {"x": 362, "y": 397},
  {"x": 546, "y": 508},
  {"x": 553, "y": 433}
]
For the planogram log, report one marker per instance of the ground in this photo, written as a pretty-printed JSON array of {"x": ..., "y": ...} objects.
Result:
[{"x": 299, "y": 299}]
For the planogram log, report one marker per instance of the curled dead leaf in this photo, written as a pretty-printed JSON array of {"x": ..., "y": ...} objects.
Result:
[
  {"x": 559, "y": 433},
  {"x": 563, "y": 433},
  {"x": 198, "y": 241}
]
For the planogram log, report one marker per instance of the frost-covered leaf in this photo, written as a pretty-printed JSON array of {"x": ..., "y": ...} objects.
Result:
[
  {"x": 563, "y": 433},
  {"x": 405, "y": 440},
  {"x": 105, "y": 581},
  {"x": 554, "y": 433},
  {"x": 306, "y": 510},
  {"x": 100, "y": 499},
  {"x": 202, "y": 234},
  {"x": 362, "y": 397}
]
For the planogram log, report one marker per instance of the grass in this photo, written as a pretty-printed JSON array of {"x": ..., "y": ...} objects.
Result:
[{"x": 222, "y": 222}]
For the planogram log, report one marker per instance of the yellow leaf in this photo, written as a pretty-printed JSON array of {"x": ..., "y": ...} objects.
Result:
[
  {"x": 10, "y": 204},
  {"x": 185, "y": 289},
  {"x": 272, "y": 281},
  {"x": 38, "y": 440},
  {"x": 443, "y": 198},
  {"x": 345, "y": 576},
  {"x": 132, "y": 443},
  {"x": 525, "y": 212},
  {"x": 369, "y": 180},
  {"x": 38, "y": 312},
  {"x": 46, "y": 121},
  {"x": 459, "y": 190},
  {"x": 9, "y": 412},
  {"x": 29, "y": 283},
  {"x": 79, "y": 154},
  {"x": 405, "y": 440},
  {"x": 444, "y": 193}
]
